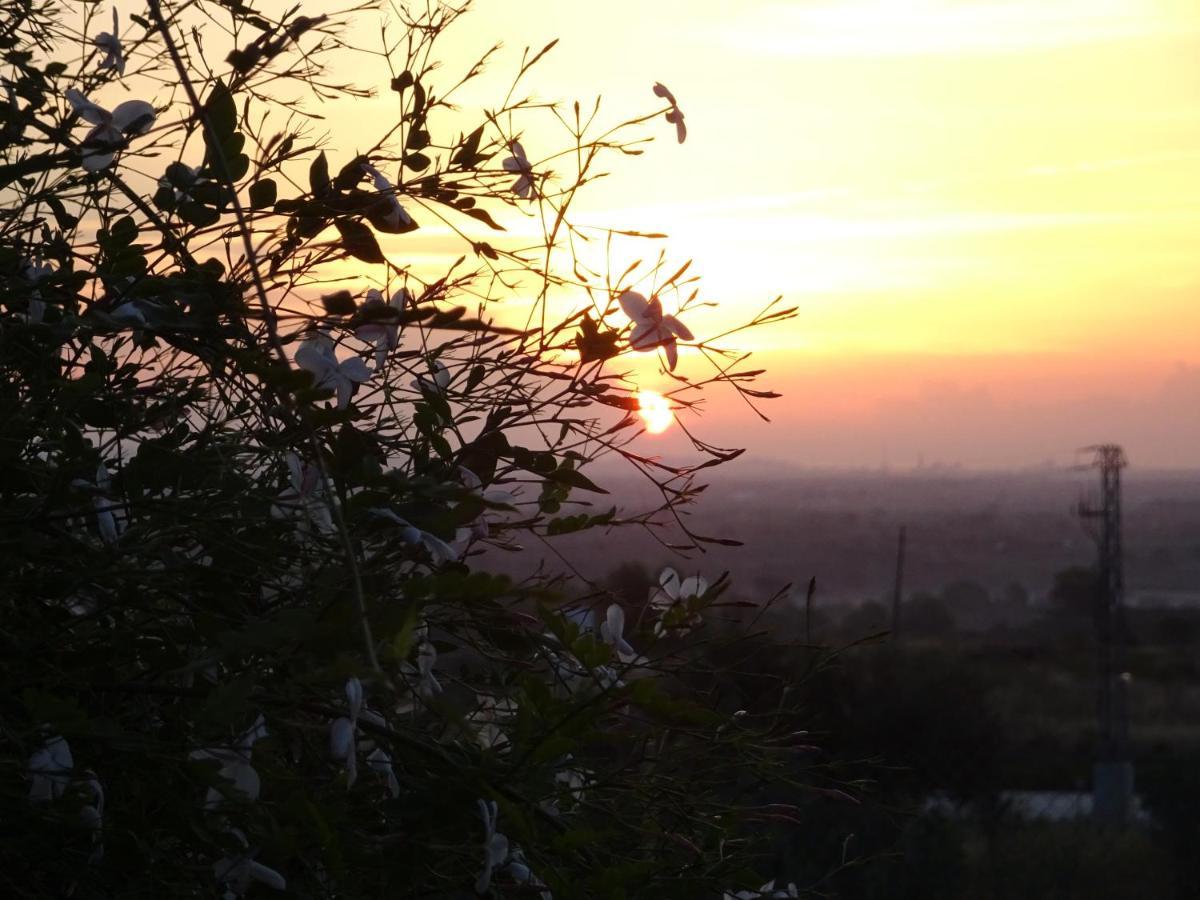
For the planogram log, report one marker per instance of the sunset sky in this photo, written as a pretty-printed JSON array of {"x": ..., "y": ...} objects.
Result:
[{"x": 986, "y": 212}]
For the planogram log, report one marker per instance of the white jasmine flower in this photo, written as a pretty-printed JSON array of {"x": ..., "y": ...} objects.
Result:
[
  {"x": 523, "y": 187},
  {"x": 768, "y": 890},
  {"x": 237, "y": 873},
  {"x": 495, "y": 845},
  {"x": 383, "y": 334},
  {"x": 91, "y": 816},
  {"x": 671, "y": 600},
  {"x": 651, "y": 328},
  {"x": 396, "y": 218},
  {"x": 487, "y": 718},
  {"x": 674, "y": 114},
  {"x": 342, "y": 732},
  {"x": 414, "y": 536},
  {"x": 573, "y": 781},
  {"x": 420, "y": 679},
  {"x": 480, "y": 528},
  {"x": 34, "y": 273},
  {"x": 302, "y": 496},
  {"x": 428, "y": 684},
  {"x": 435, "y": 385},
  {"x": 114, "y": 55},
  {"x": 343, "y": 739},
  {"x": 316, "y": 356},
  {"x": 381, "y": 763},
  {"x": 518, "y": 870},
  {"x": 235, "y": 765},
  {"x": 106, "y": 522},
  {"x": 50, "y": 770},
  {"x": 612, "y": 632},
  {"x": 129, "y": 119}
]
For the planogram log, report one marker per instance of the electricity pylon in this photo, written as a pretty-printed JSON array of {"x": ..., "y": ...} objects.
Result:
[{"x": 1112, "y": 789}]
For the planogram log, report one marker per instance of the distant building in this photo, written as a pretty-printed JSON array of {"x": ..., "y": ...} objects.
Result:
[
  {"x": 1037, "y": 806},
  {"x": 1164, "y": 598}
]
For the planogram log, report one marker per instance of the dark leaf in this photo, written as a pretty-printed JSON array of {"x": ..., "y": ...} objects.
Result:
[
  {"x": 418, "y": 112},
  {"x": 263, "y": 193},
  {"x": 468, "y": 151},
  {"x": 418, "y": 139},
  {"x": 568, "y": 476},
  {"x": 239, "y": 165},
  {"x": 350, "y": 174},
  {"x": 359, "y": 241},
  {"x": 476, "y": 376},
  {"x": 318, "y": 175},
  {"x": 198, "y": 214},
  {"x": 339, "y": 303},
  {"x": 65, "y": 220},
  {"x": 221, "y": 111},
  {"x": 483, "y": 216}
]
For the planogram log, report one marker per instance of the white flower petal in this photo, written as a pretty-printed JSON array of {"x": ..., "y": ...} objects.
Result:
[
  {"x": 133, "y": 117},
  {"x": 341, "y": 738},
  {"x": 245, "y": 780},
  {"x": 86, "y": 109},
  {"x": 316, "y": 356},
  {"x": 672, "y": 353},
  {"x": 355, "y": 369},
  {"x": 265, "y": 875},
  {"x": 677, "y": 328},
  {"x": 295, "y": 472},
  {"x": 668, "y": 580},
  {"x": 634, "y": 305},
  {"x": 661, "y": 90},
  {"x": 441, "y": 375},
  {"x": 644, "y": 336},
  {"x": 354, "y": 696},
  {"x": 106, "y": 523},
  {"x": 615, "y": 623},
  {"x": 97, "y": 161},
  {"x": 680, "y": 126},
  {"x": 438, "y": 549},
  {"x": 255, "y": 732}
]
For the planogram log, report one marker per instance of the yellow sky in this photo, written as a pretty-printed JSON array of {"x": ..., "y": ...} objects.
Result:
[
  {"x": 997, "y": 196},
  {"x": 949, "y": 181},
  {"x": 917, "y": 176}
]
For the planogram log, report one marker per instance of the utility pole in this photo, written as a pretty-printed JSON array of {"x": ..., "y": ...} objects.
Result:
[
  {"x": 1112, "y": 776},
  {"x": 898, "y": 590}
]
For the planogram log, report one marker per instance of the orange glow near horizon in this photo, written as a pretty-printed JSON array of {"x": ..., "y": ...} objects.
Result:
[
  {"x": 980, "y": 207},
  {"x": 655, "y": 411}
]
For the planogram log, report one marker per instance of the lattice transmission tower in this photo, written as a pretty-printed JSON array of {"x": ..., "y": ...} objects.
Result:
[{"x": 1113, "y": 773}]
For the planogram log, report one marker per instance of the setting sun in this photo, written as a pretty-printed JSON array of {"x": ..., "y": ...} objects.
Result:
[{"x": 655, "y": 411}]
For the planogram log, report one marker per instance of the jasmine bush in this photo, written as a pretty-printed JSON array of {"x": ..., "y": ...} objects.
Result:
[{"x": 254, "y": 461}]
